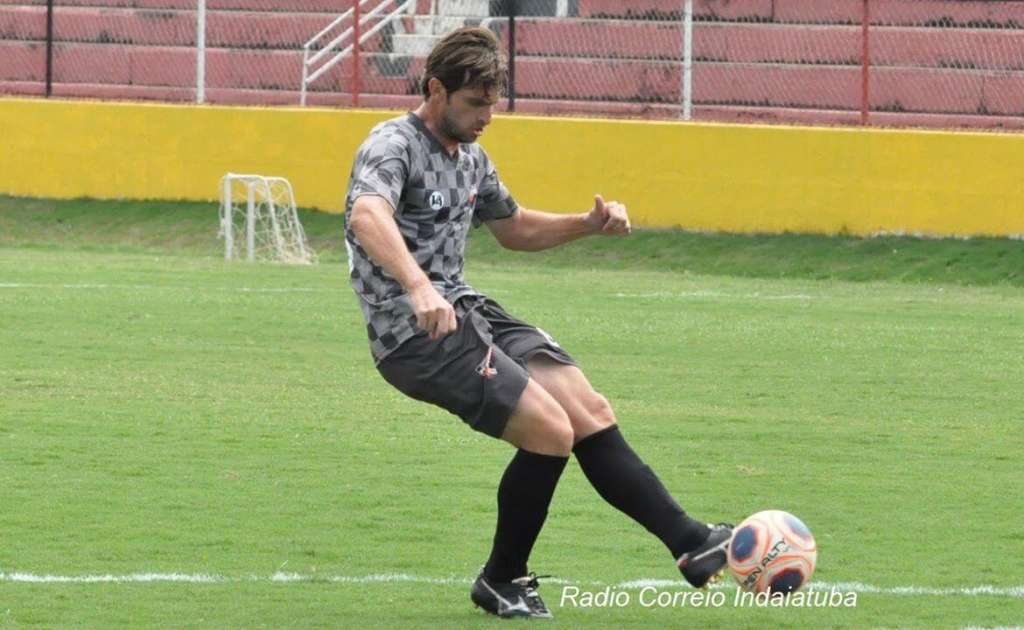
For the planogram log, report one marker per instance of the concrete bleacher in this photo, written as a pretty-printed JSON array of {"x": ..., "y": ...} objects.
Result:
[
  {"x": 942, "y": 62},
  {"x": 272, "y": 6},
  {"x": 989, "y": 13},
  {"x": 145, "y": 49},
  {"x": 932, "y": 63}
]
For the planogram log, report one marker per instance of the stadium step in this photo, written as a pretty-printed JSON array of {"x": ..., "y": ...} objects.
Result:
[
  {"x": 464, "y": 8},
  {"x": 278, "y": 6},
  {"x": 723, "y": 41},
  {"x": 434, "y": 24},
  {"x": 803, "y": 86},
  {"x": 413, "y": 44},
  {"x": 883, "y": 12},
  {"x": 759, "y": 10},
  {"x": 175, "y": 67},
  {"x": 226, "y": 96},
  {"x": 903, "y": 13},
  {"x": 786, "y": 85},
  {"x": 145, "y": 46},
  {"x": 993, "y": 14},
  {"x": 971, "y": 48},
  {"x": 260, "y": 30}
]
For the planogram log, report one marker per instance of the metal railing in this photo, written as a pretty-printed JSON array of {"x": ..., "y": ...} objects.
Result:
[{"x": 352, "y": 34}]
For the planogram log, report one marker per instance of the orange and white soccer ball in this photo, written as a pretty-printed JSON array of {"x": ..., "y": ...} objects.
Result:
[{"x": 772, "y": 551}]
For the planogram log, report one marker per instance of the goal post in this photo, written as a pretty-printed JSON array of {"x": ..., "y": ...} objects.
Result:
[{"x": 259, "y": 213}]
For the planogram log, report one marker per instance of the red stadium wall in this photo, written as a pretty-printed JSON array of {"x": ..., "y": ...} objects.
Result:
[{"x": 934, "y": 62}]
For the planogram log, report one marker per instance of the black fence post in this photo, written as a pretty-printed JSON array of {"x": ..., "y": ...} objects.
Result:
[
  {"x": 512, "y": 4},
  {"x": 49, "y": 48}
]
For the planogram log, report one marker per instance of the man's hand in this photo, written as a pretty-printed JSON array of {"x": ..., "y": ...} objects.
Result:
[
  {"x": 608, "y": 217},
  {"x": 433, "y": 313}
]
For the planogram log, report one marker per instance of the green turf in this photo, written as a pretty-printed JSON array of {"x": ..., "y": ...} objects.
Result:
[
  {"x": 163, "y": 411},
  {"x": 133, "y": 226}
]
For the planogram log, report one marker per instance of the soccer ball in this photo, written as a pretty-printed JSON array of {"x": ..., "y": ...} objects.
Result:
[{"x": 772, "y": 551}]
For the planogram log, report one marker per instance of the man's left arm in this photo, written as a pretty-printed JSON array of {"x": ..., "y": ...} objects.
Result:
[{"x": 533, "y": 230}]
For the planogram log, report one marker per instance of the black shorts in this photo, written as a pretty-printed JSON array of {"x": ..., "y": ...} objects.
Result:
[{"x": 477, "y": 372}]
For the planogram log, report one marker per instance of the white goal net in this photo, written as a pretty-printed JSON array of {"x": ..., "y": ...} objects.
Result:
[{"x": 258, "y": 217}]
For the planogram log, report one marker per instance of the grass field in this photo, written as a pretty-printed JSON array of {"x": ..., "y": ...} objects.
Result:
[{"x": 186, "y": 442}]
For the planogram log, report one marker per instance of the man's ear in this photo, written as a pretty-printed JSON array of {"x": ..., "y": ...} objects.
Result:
[{"x": 436, "y": 88}]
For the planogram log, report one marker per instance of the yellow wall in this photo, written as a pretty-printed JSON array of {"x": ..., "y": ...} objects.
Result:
[
  {"x": 155, "y": 151},
  {"x": 698, "y": 176}
]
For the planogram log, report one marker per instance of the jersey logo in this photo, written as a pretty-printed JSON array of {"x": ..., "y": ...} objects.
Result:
[
  {"x": 549, "y": 338},
  {"x": 436, "y": 200}
]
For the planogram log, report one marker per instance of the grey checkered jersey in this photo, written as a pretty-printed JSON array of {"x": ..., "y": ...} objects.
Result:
[{"x": 436, "y": 198}]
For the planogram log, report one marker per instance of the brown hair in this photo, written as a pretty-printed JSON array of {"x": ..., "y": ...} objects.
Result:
[{"x": 467, "y": 57}]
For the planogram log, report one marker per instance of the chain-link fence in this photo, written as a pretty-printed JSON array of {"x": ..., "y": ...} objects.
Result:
[
  {"x": 907, "y": 62},
  {"x": 232, "y": 51},
  {"x": 916, "y": 62}
]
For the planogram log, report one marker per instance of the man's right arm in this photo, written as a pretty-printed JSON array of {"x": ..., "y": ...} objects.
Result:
[{"x": 372, "y": 221}]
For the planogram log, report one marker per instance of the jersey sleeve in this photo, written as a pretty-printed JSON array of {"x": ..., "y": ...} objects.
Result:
[
  {"x": 381, "y": 168},
  {"x": 493, "y": 200}
]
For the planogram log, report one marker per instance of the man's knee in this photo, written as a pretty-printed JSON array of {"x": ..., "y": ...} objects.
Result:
[
  {"x": 556, "y": 436},
  {"x": 588, "y": 410},
  {"x": 539, "y": 424},
  {"x": 544, "y": 436},
  {"x": 600, "y": 410}
]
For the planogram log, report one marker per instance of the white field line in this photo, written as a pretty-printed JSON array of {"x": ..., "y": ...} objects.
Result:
[
  {"x": 656, "y": 295},
  {"x": 704, "y": 295},
  {"x": 144, "y": 287},
  {"x": 1013, "y": 592},
  {"x": 939, "y": 296}
]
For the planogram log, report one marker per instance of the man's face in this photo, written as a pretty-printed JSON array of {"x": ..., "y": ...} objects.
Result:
[{"x": 467, "y": 112}]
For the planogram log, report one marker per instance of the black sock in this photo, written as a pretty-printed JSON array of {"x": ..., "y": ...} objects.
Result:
[
  {"x": 624, "y": 481},
  {"x": 524, "y": 493}
]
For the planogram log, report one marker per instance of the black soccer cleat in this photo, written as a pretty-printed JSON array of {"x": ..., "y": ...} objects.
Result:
[
  {"x": 706, "y": 564},
  {"x": 510, "y": 600}
]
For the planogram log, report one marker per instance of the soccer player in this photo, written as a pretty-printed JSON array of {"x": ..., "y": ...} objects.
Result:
[{"x": 419, "y": 182}]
